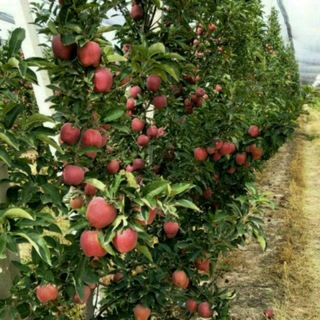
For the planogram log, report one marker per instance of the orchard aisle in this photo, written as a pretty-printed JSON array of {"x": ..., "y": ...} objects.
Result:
[{"x": 285, "y": 278}]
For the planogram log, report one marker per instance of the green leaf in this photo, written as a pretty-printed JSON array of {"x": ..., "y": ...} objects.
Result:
[
  {"x": 5, "y": 157},
  {"x": 36, "y": 119},
  {"x": 17, "y": 213},
  {"x": 132, "y": 180},
  {"x": 261, "y": 239},
  {"x": 11, "y": 116},
  {"x": 154, "y": 188},
  {"x": 96, "y": 183},
  {"x": 53, "y": 192},
  {"x": 68, "y": 38},
  {"x": 121, "y": 128},
  {"x": 10, "y": 139},
  {"x": 113, "y": 114},
  {"x": 3, "y": 245},
  {"x": 52, "y": 27},
  {"x": 174, "y": 73},
  {"x": 49, "y": 141},
  {"x": 145, "y": 251},
  {"x": 38, "y": 243},
  {"x": 186, "y": 204},
  {"x": 23, "y": 67},
  {"x": 17, "y": 37},
  {"x": 178, "y": 188},
  {"x": 116, "y": 58},
  {"x": 156, "y": 48}
]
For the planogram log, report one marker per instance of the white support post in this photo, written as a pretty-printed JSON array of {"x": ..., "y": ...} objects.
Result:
[{"x": 23, "y": 18}]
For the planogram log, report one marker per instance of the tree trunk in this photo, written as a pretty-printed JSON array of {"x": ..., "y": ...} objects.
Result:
[{"x": 7, "y": 271}]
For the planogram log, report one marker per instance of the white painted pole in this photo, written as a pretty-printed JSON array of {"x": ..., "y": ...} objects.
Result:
[{"x": 23, "y": 18}]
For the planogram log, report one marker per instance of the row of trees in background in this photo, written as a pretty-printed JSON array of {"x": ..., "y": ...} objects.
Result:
[{"x": 153, "y": 178}]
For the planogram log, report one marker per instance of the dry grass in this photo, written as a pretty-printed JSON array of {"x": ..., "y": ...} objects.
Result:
[{"x": 298, "y": 262}]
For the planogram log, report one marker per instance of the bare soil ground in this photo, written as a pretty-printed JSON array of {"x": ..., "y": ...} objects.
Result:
[{"x": 286, "y": 277}]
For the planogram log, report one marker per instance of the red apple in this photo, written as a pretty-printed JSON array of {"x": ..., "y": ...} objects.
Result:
[
  {"x": 152, "y": 216},
  {"x": 138, "y": 164},
  {"x": 171, "y": 229},
  {"x": 91, "y": 138},
  {"x": 113, "y": 167},
  {"x": 135, "y": 91},
  {"x": 99, "y": 213},
  {"x": 257, "y": 153},
  {"x": 125, "y": 240},
  {"x": 153, "y": 82},
  {"x": 89, "y": 54},
  {"x": 269, "y": 314},
  {"x": 130, "y": 104},
  {"x": 117, "y": 277},
  {"x": 216, "y": 156},
  {"x": 180, "y": 279},
  {"x": 136, "y": 12},
  {"x": 61, "y": 51},
  {"x": 143, "y": 140},
  {"x": 202, "y": 264},
  {"x": 73, "y": 175},
  {"x": 218, "y": 88},
  {"x": 141, "y": 313},
  {"x": 87, "y": 293},
  {"x": 218, "y": 144},
  {"x": 241, "y": 158},
  {"x": 200, "y": 154},
  {"x": 90, "y": 190},
  {"x": 47, "y": 292},
  {"x": 204, "y": 310},
  {"x": 225, "y": 149},
  {"x": 207, "y": 193},
  {"x": 200, "y": 92},
  {"x": 212, "y": 27},
  {"x": 152, "y": 132},
  {"x": 253, "y": 131},
  {"x": 76, "y": 203},
  {"x": 90, "y": 244},
  {"x": 68, "y": 134},
  {"x": 102, "y": 80},
  {"x": 191, "y": 305},
  {"x": 159, "y": 101},
  {"x": 137, "y": 124}
]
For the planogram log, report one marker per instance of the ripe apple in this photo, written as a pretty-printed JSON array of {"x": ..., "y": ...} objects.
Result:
[
  {"x": 212, "y": 27},
  {"x": 152, "y": 216},
  {"x": 136, "y": 12},
  {"x": 46, "y": 292},
  {"x": 152, "y": 132},
  {"x": 253, "y": 131},
  {"x": 126, "y": 47},
  {"x": 204, "y": 310},
  {"x": 153, "y": 82},
  {"x": 171, "y": 229},
  {"x": 134, "y": 91},
  {"x": 207, "y": 193},
  {"x": 191, "y": 305},
  {"x": 89, "y": 54},
  {"x": 138, "y": 164},
  {"x": 218, "y": 88},
  {"x": 241, "y": 158},
  {"x": 141, "y": 313},
  {"x": 125, "y": 240},
  {"x": 143, "y": 140},
  {"x": 225, "y": 149},
  {"x": 73, "y": 175},
  {"x": 159, "y": 101},
  {"x": 76, "y": 203},
  {"x": 91, "y": 137},
  {"x": 231, "y": 170},
  {"x": 137, "y": 124},
  {"x": 200, "y": 92},
  {"x": 86, "y": 296},
  {"x": 68, "y": 134},
  {"x": 202, "y": 264},
  {"x": 90, "y": 190},
  {"x": 90, "y": 244},
  {"x": 180, "y": 279},
  {"x": 218, "y": 144},
  {"x": 61, "y": 51},
  {"x": 256, "y": 153},
  {"x": 99, "y": 213},
  {"x": 269, "y": 314},
  {"x": 200, "y": 154},
  {"x": 102, "y": 80},
  {"x": 161, "y": 132},
  {"x": 117, "y": 277},
  {"x": 113, "y": 167},
  {"x": 131, "y": 104}
]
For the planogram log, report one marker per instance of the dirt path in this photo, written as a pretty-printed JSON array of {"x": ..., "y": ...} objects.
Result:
[{"x": 286, "y": 277}]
